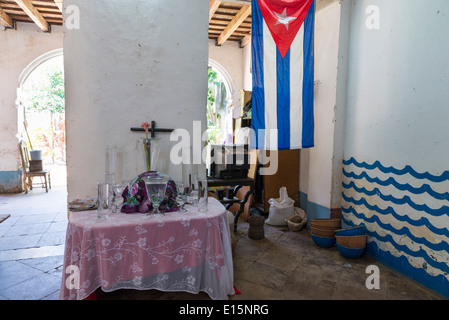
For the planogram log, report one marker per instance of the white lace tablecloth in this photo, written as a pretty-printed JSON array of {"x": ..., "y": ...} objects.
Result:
[{"x": 179, "y": 251}]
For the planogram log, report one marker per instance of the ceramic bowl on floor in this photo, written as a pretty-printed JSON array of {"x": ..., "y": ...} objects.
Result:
[
  {"x": 350, "y": 253},
  {"x": 352, "y": 231},
  {"x": 323, "y": 242}
]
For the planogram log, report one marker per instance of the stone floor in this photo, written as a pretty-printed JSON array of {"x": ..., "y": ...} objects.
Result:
[
  {"x": 284, "y": 265},
  {"x": 32, "y": 242}
]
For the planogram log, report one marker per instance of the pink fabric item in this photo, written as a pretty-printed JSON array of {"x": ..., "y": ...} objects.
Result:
[{"x": 178, "y": 251}]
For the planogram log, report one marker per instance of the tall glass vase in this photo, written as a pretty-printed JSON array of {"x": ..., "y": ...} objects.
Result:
[
  {"x": 147, "y": 154},
  {"x": 110, "y": 164}
]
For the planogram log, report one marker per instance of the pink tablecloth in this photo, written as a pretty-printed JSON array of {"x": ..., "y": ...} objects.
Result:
[{"x": 179, "y": 251}]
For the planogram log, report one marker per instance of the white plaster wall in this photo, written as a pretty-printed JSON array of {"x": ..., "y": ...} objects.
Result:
[
  {"x": 18, "y": 48},
  {"x": 397, "y": 116},
  {"x": 398, "y": 85},
  {"x": 316, "y": 166},
  {"x": 125, "y": 65},
  {"x": 341, "y": 103},
  {"x": 247, "y": 68}
]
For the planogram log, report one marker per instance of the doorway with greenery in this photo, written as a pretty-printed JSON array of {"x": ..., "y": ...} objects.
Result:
[
  {"x": 218, "y": 111},
  {"x": 42, "y": 101}
]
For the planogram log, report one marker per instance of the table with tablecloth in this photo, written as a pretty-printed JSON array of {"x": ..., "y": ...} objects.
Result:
[{"x": 177, "y": 251}]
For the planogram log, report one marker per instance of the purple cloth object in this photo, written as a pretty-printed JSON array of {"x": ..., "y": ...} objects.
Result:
[{"x": 135, "y": 197}]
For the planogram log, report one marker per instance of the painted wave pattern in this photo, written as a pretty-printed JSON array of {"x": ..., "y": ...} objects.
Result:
[{"x": 406, "y": 214}]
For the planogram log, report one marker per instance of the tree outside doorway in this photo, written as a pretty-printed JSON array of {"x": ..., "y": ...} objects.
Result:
[
  {"x": 43, "y": 100},
  {"x": 218, "y": 113}
]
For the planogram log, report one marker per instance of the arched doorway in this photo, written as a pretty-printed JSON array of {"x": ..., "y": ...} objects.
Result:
[
  {"x": 41, "y": 111},
  {"x": 219, "y": 104}
]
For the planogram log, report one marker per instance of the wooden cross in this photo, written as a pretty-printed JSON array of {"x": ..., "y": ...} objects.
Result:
[
  {"x": 153, "y": 129},
  {"x": 147, "y": 143}
]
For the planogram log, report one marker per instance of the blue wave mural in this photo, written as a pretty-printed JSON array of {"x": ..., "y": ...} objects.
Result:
[
  {"x": 443, "y": 245},
  {"x": 407, "y": 169},
  {"x": 425, "y": 188},
  {"x": 443, "y": 210},
  {"x": 438, "y": 283},
  {"x": 373, "y": 194},
  {"x": 422, "y": 221}
]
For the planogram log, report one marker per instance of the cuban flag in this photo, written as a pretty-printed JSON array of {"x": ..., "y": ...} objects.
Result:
[{"x": 283, "y": 74}]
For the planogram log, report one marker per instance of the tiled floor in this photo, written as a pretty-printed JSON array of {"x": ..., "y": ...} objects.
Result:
[
  {"x": 32, "y": 244},
  {"x": 284, "y": 265}
]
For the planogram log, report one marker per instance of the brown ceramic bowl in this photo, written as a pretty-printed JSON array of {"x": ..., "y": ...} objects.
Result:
[{"x": 352, "y": 241}]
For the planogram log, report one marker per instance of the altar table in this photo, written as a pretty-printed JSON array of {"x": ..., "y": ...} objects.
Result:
[{"x": 178, "y": 251}]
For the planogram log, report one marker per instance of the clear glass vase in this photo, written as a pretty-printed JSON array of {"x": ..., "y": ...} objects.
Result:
[
  {"x": 147, "y": 154},
  {"x": 110, "y": 164}
]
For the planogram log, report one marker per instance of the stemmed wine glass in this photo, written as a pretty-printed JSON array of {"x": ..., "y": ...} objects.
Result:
[
  {"x": 156, "y": 185},
  {"x": 156, "y": 193},
  {"x": 117, "y": 201},
  {"x": 181, "y": 197}
]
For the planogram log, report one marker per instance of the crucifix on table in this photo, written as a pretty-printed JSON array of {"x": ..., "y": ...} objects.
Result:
[{"x": 147, "y": 142}]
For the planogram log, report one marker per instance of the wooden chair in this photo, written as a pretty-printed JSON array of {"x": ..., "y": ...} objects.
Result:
[
  {"x": 241, "y": 209},
  {"x": 29, "y": 175}
]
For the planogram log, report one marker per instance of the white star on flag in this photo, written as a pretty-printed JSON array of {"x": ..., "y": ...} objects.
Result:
[{"x": 283, "y": 18}]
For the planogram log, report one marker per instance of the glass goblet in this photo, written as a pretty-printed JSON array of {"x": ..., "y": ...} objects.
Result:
[
  {"x": 117, "y": 201},
  {"x": 156, "y": 193}
]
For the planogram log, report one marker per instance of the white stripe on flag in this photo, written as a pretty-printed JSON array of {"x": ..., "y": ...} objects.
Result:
[
  {"x": 296, "y": 90},
  {"x": 270, "y": 88}
]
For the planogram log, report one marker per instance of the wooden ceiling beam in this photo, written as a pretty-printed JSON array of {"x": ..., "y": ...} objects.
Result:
[
  {"x": 32, "y": 12},
  {"x": 59, "y": 4},
  {"x": 18, "y": 10},
  {"x": 213, "y": 6},
  {"x": 5, "y": 19},
  {"x": 245, "y": 41},
  {"x": 46, "y": 15},
  {"x": 243, "y": 13}
]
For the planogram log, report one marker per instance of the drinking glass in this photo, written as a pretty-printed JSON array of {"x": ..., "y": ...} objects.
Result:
[
  {"x": 104, "y": 199},
  {"x": 181, "y": 197},
  {"x": 202, "y": 195},
  {"x": 193, "y": 189}
]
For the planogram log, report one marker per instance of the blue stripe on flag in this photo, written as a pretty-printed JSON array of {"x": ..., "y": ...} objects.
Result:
[
  {"x": 258, "y": 93},
  {"x": 283, "y": 100},
  {"x": 307, "y": 93}
]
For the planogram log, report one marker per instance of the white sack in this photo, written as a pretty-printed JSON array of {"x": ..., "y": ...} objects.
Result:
[{"x": 280, "y": 209}]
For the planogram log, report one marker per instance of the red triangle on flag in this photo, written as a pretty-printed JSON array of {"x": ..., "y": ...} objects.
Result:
[{"x": 284, "y": 18}]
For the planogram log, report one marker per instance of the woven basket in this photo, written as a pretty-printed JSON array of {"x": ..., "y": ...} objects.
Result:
[
  {"x": 333, "y": 223},
  {"x": 352, "y": 241},
  {"x": 329, "y": 223},
  {"x": 256, "y": 227},
  {"x": 297, "y": 221},
  {"x": 322, "y": 232}
]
